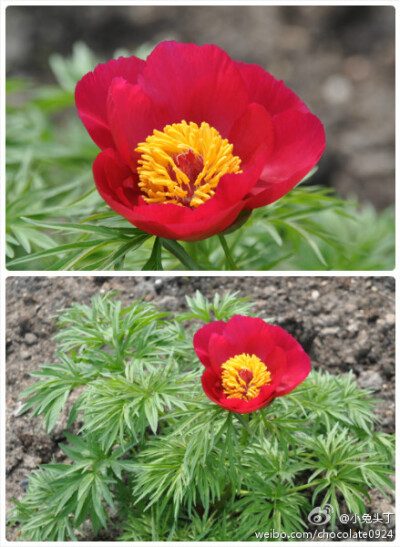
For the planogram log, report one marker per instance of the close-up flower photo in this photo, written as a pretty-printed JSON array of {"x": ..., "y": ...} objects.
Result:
[
  {"x": 243, "y": 139},
  {"x": 153, "y": 138},
  {"x": 200, "y": 409}
]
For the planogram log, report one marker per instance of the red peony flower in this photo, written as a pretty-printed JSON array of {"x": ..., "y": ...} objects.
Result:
[
  {"x": 248, "y": 362},
  {"x": 191, "y": 138}
]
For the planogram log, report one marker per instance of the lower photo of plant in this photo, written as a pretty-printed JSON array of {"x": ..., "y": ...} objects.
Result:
[{"x": 200, "y": 408}]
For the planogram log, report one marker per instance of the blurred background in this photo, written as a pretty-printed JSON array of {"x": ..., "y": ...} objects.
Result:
[{"x": 339, "y": 59}]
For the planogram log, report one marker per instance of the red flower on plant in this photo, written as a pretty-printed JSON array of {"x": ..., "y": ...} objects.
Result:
[
  {"x": 249, "y": 362},
  {"x": 191, "y": 138}
]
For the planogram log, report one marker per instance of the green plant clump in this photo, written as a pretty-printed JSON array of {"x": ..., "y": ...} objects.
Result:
[
  {"x": 56, "y": 220},
  {"x": 154, "y": 459}
]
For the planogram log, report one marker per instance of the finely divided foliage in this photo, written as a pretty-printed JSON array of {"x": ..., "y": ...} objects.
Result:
[{"x": 154, "y": 459}]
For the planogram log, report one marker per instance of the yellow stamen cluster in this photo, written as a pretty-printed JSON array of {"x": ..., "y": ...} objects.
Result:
[
  {"x": 184, "y": 163},
  {"x": 243, "y": 376}
]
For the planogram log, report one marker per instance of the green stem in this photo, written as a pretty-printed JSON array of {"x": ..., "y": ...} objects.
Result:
[
  {"x": 244, "y": 419},
  {"x": 305, "y": 486},
  {"x": 192, "y": 247},
  {"x": 179, "y": 252},
  {"x": 229, "y": 259}
]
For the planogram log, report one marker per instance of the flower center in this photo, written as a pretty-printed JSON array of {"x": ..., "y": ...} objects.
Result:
[
  {"x": 184, "y": 163},
  {"x": 243, "y": 376}
]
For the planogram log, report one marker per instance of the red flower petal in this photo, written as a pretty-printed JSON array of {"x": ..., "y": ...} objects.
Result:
[
  {"x": 243, "y": 407},
  {"x": 299, "y": 367},
  {"x": 298, "y": 362},
  {"x": 266, "y": 90},
  {"x": 239, "y": 327},
  {"x": 212, "y": 385},
  {"x": 299, "y": 143},
  {"x": 252, "y": 132},
  {"x": 202, "y": 338},
  {"x": 133, "y": 117},
  {"x": 91, "y": 95},
  {"x": 233, "y": 187},
  {"x": 241, "y": 334},
  {"x": 277, "y": 364},
  {"x": 173, "y": 222},
  {"x": 114, "y": 181},
  {"x": 195, "y": 84},
  {"x": 220, "y": 350}
]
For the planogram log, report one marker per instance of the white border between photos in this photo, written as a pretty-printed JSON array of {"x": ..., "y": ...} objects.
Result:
[{"x": 4, "y": 274}]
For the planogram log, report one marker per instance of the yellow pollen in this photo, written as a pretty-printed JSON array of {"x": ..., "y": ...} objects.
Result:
[
  {"x": 243, "y": 376},
  {"x": 184, "y": 163}
]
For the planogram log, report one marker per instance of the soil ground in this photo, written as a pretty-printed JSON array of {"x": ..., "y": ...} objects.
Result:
[
  {"x": 344, "y": 323},
  {"x": 339, "y": 59}
]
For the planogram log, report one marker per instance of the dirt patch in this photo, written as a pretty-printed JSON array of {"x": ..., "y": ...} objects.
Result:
[
  {"x": 339, "y": 59},
  {"x": 343, "y": 323}
]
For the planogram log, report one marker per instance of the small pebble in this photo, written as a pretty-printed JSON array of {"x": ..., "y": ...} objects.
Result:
[
  {"x": 370, "y": 380},
  {"x": 330, "y": 331},
  {"x": 158, "y": 284},
  {"x": 390, "y": 318},
  {"x": 30, "y": 338},
  {"x": 388, "y": 369},
  {"x": 353, "y": 327}
]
